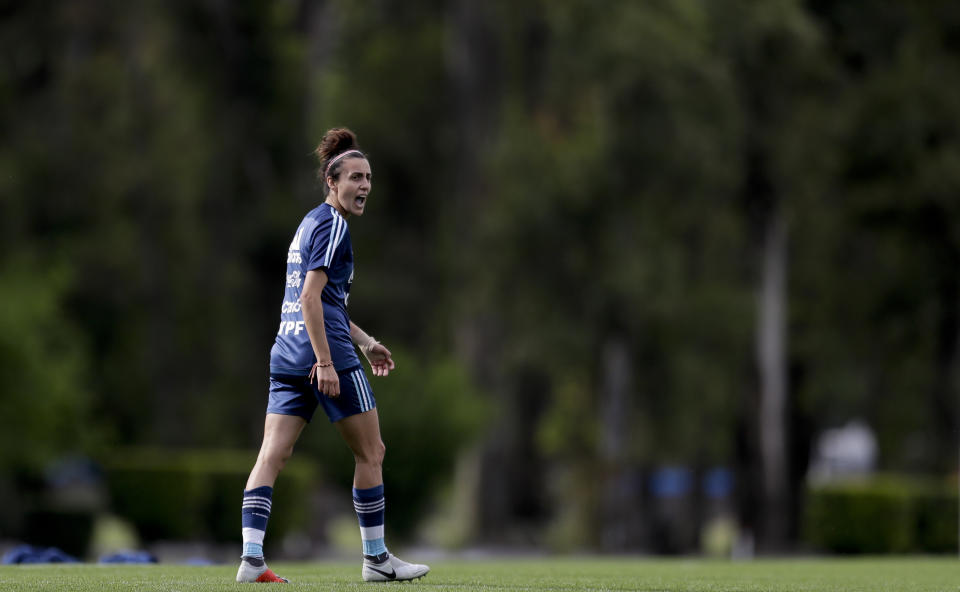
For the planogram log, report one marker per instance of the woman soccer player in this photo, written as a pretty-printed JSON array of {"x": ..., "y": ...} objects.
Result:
[{"x": 313, "y": 361}]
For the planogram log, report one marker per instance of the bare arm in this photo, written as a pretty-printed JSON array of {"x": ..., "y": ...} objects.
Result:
[
  {"x": 380, "y": 358},
  {"x": 327, "y": 380},
  {"x": 360, "y": 337}
]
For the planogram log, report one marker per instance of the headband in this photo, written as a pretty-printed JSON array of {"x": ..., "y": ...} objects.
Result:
[{"x": 338, "y": 157}]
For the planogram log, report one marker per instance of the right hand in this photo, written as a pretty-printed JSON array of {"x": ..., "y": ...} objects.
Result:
[{"x": 328, "y": 382}]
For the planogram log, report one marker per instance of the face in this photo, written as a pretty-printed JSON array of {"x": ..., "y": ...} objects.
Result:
[{"x": 349, "y": 192}]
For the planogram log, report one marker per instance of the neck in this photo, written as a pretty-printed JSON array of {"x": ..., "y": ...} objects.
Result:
[{"x": 333, "y": 201}]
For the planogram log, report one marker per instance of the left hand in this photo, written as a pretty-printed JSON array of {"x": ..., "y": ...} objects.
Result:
[{"x": 380, "y": 358}]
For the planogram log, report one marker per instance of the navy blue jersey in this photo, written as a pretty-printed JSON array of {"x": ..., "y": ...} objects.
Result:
[{"x": 322, "y": 242}]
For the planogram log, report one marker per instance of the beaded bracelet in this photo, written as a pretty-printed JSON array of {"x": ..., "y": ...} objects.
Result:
[{"x": 313, "y": 371}]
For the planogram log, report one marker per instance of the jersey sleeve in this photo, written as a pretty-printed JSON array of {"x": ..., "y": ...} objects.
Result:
[{"x": 323, "y": 241}]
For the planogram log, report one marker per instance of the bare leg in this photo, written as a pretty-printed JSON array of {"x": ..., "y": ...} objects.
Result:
[
  {"x": 361, "y": 432},
  {"x": 280, "y": 433}
]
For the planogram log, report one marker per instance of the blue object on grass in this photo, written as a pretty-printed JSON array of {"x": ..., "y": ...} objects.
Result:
[
  {"x": 199, "y": 561},
  {"x": 129, "y": 557},
  {"x": 31, "y": 554}
]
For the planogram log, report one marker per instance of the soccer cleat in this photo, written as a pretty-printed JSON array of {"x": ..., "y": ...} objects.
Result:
[
  {"x": 386, "y": 567},
  {"x": 254, "y": 569}
]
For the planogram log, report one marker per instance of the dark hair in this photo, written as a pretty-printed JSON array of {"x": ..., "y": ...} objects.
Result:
[{"x": 336, "y": 142}]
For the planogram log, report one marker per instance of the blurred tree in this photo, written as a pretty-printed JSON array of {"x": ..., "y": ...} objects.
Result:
[
  {"x": 146, "y": 153},
  {"x": 659, "y": 233},
  {"x": 774, "y": 56},
  {"x": 881, "y": 339},
  {"x": 398, "y": 104},
  {"x": 618, "y": 138},
  {"x": 44, "y": 387}
]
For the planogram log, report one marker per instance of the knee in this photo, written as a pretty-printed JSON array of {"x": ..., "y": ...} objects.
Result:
[
  {"x": 283, "y": 456},
  {"x": 372, "y": 455},
  {"x": 278, "y": 456}
]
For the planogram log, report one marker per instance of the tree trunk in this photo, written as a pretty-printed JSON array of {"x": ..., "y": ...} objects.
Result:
[
  {"x": 945, "y": 407},
  {"x": 506, "y": 454},
  {"x": 619, "y": 520},
  {"x": 771, "y": 342}
]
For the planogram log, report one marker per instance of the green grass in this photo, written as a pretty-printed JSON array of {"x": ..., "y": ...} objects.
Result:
[{"x": 807, "y": 575}]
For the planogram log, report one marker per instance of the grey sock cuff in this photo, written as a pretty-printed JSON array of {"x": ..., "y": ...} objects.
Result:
[{"x": 377, "y": 558}]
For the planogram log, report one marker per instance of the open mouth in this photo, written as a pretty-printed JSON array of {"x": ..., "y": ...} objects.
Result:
[{"x": 360, "y": 200}]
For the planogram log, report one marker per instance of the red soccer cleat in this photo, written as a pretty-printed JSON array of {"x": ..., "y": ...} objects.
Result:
[
  {"x": 253, "y": 569},
  {"x": 269, "y": 576}
]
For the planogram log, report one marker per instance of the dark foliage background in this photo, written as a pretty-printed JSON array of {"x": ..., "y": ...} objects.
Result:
[{"x": 601, "y": 240}]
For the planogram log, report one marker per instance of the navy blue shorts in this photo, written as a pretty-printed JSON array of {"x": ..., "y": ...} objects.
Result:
[{"x": 296, "y": 395}]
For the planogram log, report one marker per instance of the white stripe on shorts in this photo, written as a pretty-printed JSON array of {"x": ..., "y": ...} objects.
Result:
[
  {"x": 366, "y": 387},
  {"x": 356, "y": 389},
  {"x": 357, "y": 376}
]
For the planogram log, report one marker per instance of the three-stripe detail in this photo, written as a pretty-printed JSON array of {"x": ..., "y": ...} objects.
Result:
[
  {"x": 255, "y": 511},
  {"x": 253, "y": 503},
  {"x": 369, "y": 507},
  {"x": 338, "y": 228},
  {"x": 362, "y": 387},
  {"x": 258, "y": 501},
  {"x": 370, "y": 514}
]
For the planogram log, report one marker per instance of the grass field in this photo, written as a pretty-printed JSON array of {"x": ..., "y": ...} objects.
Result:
[{"x": 569, "y": 574}]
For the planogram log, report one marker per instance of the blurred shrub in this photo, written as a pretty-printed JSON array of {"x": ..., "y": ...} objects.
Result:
[
  {"x": 44, "y": 397},
  {"x": 936, "y": 521},
  {"x": 886, "y": 514},
  {"x": 42, "y": 367},
  {"x": 196, "y": 495},
  {"x": 429, "y": 412}
]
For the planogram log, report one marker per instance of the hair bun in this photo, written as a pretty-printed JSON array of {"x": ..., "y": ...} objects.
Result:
[{"x": 335, "y": 141}]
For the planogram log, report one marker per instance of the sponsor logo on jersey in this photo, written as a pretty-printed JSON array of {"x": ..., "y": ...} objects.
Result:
[
  {"x": 290, "y": 307},
  {"x": 295, "y": 243},
  {"x": 294, "y": 280},
  {"x": 288, "y": 327},
  {"x": 346, "y": 292},
  {"x": 293, "y": 252}
]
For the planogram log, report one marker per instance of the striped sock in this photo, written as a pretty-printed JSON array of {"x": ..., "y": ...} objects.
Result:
[
  {"x": 253, "y": 518},
  {"x": 370, "y": 506}
]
